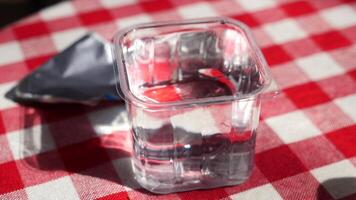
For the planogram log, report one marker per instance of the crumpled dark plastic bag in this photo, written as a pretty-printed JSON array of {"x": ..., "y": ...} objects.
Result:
[{"x": 82, "y": 73}]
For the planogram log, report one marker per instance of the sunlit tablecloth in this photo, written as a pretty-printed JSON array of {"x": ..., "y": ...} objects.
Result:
[{"x": 306, "y": 144}]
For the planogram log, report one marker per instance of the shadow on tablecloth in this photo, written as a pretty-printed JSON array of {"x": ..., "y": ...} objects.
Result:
[
  {"x": 339, "y": 188},
  {"x": 58, "y": 140}
]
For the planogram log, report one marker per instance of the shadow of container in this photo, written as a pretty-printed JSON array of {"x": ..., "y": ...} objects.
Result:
[
  {"x": 339, "y": 188},
  {"x": 91, "y": 141}
]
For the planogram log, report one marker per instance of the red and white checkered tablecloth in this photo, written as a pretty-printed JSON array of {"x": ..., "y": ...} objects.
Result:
[{"x": 306, "y": 144}]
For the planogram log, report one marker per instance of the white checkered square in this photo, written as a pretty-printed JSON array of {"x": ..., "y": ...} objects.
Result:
[
  {"x": 134, "y": 20},
  {"x": 64, "y": 9},
  {"x": 123, "y": 169},
  {"x": 264, "y": 192},
  {"x": 110, "y": 120},
  {"x": 348, "y": 105},
  {"x": 4, "y": 102},
  {"x": 197, "y": 10},
  {"x": 62, "y": 188},
  {"x": 115, "y": 3},
  {"x": 254, "y": 5},
  {"x": 293, "y": 127},
  {"x": 319, "y": 66},
  {"x": 338, "y": 178},
  {"x": 31, "y": 141},
  {"x": 340, "y": 16},
  {"x": 284, "y": 31},
  {"x": 10, "y": 52},
  {"x": 64, "y": 39}
]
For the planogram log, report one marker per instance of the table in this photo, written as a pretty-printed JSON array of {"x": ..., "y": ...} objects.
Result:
[{"x": 305, "y": 147}]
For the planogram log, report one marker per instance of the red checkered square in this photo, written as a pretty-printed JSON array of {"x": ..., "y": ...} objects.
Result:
[
  {"x": 10, "y": 178},
  {"x": 328, "y": 117},
  {"x": 298, "y": 8},
  {"x": 38, "y": 47},
  {"x": 276, "y": 55},
  {"x": 84, "y": 155},
  {"x": 279, "y": 105},
  {"x": 301, "y": 48},
  {"x": 283, "y": 72},
  {"x": 266, "y": 138},
  {"x": 248, "y": 19},
  {"x": 34, "y": 63},
  {"x": 30, "y": 30},
  {"x": 41, "y": 168},
  {"x": 95, "y": 17},
  {"x": 319, "y": 152},
  {"x": 306, "y": 95},
  {"x": 338, "y": 86},
  {"x": 331, "y": 40},
  {"x": 353, "y": 74},
  {"x": 13, "y": 72},
  {"x": 216, "y": 193},
  {"x": 156, "y": 5},
  {"x": 344, "y": 139},
  {"x": 279, "y": 163},
  {"x": 125, "y": 11},
  {"x": 119, "y": 195},
  {"x": 183, "y": 2},
  {"x": 301, "y": 186},
  {"x": 2, "y": 125},
  {"x": 86, "y": 182}
]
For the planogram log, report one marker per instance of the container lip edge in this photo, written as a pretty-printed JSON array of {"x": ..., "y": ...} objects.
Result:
[{"x": 131, "y": 98}]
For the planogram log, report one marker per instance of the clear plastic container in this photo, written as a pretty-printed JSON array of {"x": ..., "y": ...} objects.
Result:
[{"x": 193, "y": 92}]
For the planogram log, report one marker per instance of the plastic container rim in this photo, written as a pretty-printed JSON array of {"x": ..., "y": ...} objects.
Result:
[{"x": 121, "y": 73}]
